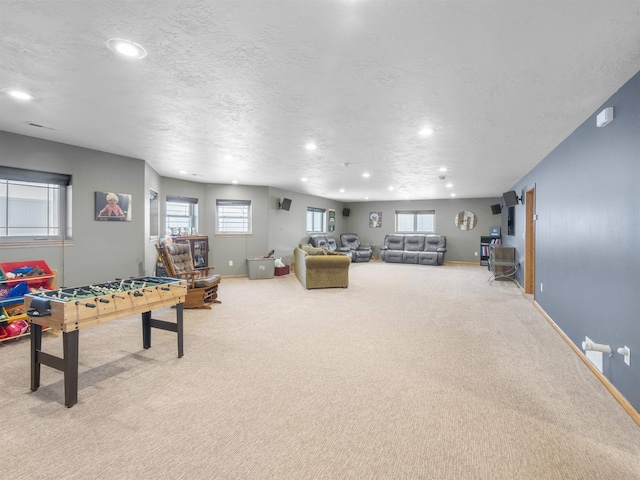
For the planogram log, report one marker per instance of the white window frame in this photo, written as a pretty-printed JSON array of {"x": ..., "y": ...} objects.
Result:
[
  {"x": 190, "y": 216},
  {"x": 415, "y": 217},
  {"x": 54, "y": 224},
  {"x": 233, "y": 218},
  {"x": 154, "y": 217},
  {"x": 317, "y": 223}
]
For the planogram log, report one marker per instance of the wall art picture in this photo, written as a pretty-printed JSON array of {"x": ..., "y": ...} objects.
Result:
[
  {"x": 113, "y": 207},
  {"x": 466, "y": 220},
  {"x": 375, "y": 219},
  {"x": 332, "y": 220}
]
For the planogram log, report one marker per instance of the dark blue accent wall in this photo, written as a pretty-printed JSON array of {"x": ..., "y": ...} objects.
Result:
[{"x": 588, "y": 235}]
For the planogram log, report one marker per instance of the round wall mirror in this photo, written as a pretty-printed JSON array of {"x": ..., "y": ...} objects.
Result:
[{"x": 466, "y": 220}]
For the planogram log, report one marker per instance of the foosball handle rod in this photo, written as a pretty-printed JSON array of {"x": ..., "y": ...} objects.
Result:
[
  {"x": 89, "y": 305},
  {"x": 103, "y": 300}
]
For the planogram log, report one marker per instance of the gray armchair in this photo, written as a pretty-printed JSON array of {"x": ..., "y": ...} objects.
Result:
[
  {"x": 361, "y": 253},
  {"x": 328, "y": 242}
]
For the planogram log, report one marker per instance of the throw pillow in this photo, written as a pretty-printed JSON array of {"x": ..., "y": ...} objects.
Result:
[{"x": 311, "y": 250}]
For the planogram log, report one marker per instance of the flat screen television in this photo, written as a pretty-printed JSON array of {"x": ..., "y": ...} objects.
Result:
[
  {"x": 286, "y": 204},
  {"x": 510, "y": 198}
]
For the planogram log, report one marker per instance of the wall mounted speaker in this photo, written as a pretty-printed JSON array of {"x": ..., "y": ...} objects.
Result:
[
  {"x": 496, "y": 209},
  {"x": 285, "y": 204},
  {"x": 510, "y": 198},
  {"x": 346, "y": 212}
]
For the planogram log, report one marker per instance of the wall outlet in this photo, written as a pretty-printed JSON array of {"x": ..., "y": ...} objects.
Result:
[
  {"x": 475, "y": 253},
  {"x": 541, "y": 287},
  {"x": 627, "y": 356},
  {"x": 231, "y": 263}
]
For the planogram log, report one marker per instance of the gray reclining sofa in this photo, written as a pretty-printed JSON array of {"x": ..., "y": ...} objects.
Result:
[{"x": 422, "y": 249}]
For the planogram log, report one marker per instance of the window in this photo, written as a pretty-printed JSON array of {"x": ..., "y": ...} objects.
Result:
[
  {"x": 315, "y": 219},
  {"x": 153, "y": 213},
  {"x": 233, "y": 217},
  {"x": 33, "y": 205},
  {"x": 182, "y": 215},
  {"x": 418, "y": 221}
]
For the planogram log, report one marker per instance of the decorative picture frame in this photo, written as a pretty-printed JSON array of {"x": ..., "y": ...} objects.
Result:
[
  {"x": 465, "y": 220},
  {"x": 332, "y": 220},
  {"x": 112, "y": 207},
  {"x": 375, "y": 219}
]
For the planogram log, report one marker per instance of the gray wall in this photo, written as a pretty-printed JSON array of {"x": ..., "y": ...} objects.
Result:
[
  {"x": 462, "y": 246},
  {"x": 273, "y": 229},
  {"x": 99, "y": 251},
  {"x": 152, "y": 181},
  {"x": 237, "y": 249},
  {"x": 588, "y": 235},
  {"x": 287, "y": 229}
]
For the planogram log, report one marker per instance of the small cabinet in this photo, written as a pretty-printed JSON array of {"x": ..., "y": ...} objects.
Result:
[
  {"x": 199, "y": 248},
  {"x": 485, "y": 247},
  {"x": 36, "y": 274}
]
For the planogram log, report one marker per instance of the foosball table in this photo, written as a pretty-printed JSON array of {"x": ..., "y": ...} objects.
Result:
[{"x": 71, "y": 309}]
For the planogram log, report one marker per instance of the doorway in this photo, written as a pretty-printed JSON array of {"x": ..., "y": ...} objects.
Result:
[{"x": 530, "y": 242}]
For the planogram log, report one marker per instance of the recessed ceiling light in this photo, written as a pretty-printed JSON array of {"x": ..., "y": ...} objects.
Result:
[
  {"x": 234, "y": 182},
  {"x": 390, "y": 188},
  {"x": 442, "y": 169},
  {"x": 453, "y": 194},
  {"x": 366, "y": 175},
  {"x": 126, "y": 48},
  {"x": 426, "y": 132},
  {"x": 18, "y": 94},
  {"x": 228, "y": 158},
  {"x": 449, "y": 185},
  {"x": 310, "y": 146},
  {"x": 342, "y": 190},
  {"x": 304, "y": 179},
  {"x": 366, "y": 198},
  {"x": 182, "y": 172}
]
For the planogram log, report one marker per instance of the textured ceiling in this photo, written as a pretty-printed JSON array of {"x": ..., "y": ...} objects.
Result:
[{"x": 234, "y": 90}]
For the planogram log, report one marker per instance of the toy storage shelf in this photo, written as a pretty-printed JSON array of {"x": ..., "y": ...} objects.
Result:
[{"x": 13, "y": 309}]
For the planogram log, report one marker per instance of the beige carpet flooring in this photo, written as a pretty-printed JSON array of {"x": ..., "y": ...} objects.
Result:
[{"x": 413, "y": 372}]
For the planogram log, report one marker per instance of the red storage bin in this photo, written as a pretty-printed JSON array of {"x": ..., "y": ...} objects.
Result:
[
  {"x": 282, "y": 270},
  {"x": 35, "y": 281}
]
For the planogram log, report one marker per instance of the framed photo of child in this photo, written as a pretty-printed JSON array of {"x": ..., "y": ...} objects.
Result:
[{"x": 113, "y": 207}]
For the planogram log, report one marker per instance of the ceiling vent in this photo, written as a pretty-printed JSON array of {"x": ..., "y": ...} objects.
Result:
[{"x": 37, "y": 125}]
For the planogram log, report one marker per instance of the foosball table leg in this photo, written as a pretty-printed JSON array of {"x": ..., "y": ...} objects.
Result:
[
  {"x": 148, "y": 322},
  {"x": 67, "y": 364},
  {"x": 180, "y": 329},
  {"x": 70, "y": 349},
  {"x": 146, "y": 330},
  {"x": 36, "y": 345}
]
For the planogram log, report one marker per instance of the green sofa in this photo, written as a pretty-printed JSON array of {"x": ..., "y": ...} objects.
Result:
[{"x": 317, "y": 268}]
